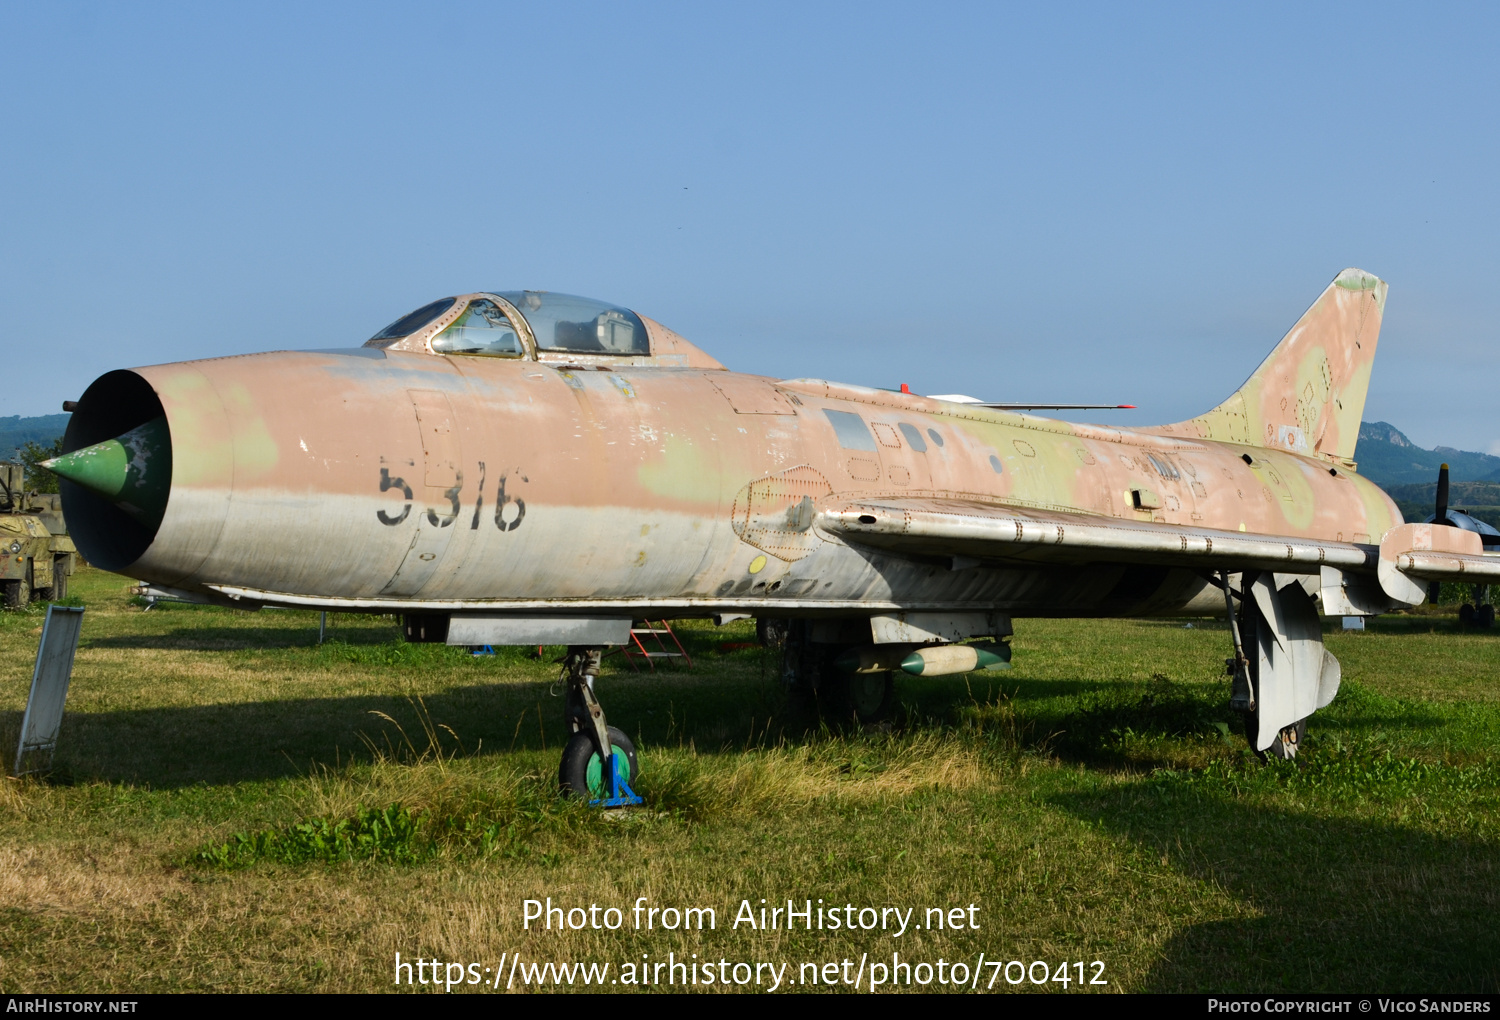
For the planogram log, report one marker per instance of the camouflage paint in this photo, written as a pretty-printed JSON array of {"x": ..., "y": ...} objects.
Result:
[
  {"x": 1309, "y": 396},
  {"x": 396, "y": 479}
]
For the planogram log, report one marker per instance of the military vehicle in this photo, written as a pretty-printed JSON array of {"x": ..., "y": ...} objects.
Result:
[
  {"x": 532, "y": 468},
  {"x": 36, "y": 554}
]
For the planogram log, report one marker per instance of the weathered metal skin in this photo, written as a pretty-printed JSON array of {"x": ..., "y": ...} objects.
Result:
[
  {"x": 1308, "y": 397},
  {"x": 407, "y": 480}
]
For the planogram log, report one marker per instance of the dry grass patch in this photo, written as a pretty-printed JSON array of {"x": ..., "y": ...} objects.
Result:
[
  {"x": 51, "y": 878},
  {"x": 789, "y": 777},
  {"x": 1087, "y": 802}
]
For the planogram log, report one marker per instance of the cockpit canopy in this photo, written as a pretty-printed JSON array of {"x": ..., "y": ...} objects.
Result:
[
  {"x": 481, "y": 328},
  {"x": 541, "y": 326},
  {"x": 411, "y": 322},
  {"x": 562, "y": 322}
]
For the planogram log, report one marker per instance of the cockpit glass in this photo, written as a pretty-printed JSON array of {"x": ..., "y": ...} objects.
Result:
[
  {"x": 562, "y": 322},
  {"x": 413, "y": 321},
  {"x": 481, "y": 329}
]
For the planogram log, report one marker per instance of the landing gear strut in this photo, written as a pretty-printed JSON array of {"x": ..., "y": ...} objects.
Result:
[
  {"x": 1242, "y": 692},
  {"x": 599, "y": 760}
]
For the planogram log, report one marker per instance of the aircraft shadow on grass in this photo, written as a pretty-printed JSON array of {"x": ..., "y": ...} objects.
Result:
[
  {"x": 241, "y": 638},
  {"x": 170, "y": 747},
  {"x": 249, "y": 741},
  {"x": 711, "y": 707},
  {"x": 285, "y": 735},
  {"x": 1343, "y": 905},
  {"x": 1099, "y": 721}
]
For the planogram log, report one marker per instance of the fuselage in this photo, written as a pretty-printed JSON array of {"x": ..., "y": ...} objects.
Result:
[{"x": 388, "y": 480}]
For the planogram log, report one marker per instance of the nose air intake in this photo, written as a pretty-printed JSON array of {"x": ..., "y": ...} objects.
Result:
[
  {"x": 133, "y": 471},
  {"x": 115, "y": 473}
]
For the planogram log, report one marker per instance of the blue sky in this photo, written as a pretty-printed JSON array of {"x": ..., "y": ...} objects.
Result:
[{"x": 1113, "y": 203}]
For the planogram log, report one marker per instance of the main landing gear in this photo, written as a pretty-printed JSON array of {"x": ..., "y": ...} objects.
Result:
[
  {"x": 1308, "y": 677},
  {"x": 599, "y": 761},
  {"x": 1480, "y": 612},
  {"x": 840, "y": 691}
]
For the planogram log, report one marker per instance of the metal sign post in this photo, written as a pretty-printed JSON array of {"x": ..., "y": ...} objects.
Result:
[{"x": 49, "y": 685}]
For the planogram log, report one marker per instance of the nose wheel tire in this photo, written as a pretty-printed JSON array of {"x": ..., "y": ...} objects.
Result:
[{"x": 581, "y": 773}]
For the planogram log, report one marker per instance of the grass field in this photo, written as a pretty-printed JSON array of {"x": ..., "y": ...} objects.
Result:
[{"x": 237, "y": 808}]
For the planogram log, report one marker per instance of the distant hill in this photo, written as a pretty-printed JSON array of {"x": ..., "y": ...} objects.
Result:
[
  {"x": 1480, "y": 500},
  {"x": 1388, "y": 458},
  {"x": 16, "y": 432}
]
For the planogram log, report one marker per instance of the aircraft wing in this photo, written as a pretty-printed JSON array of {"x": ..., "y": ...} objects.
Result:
[
  {"x": 949, "y": 527},
  {"x": 962, "y": 528}
]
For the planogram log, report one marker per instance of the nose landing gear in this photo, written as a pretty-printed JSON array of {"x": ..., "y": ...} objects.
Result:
[{"x": 599, "y": 761}]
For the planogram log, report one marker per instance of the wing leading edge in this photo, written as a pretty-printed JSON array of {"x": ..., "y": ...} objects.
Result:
[{"x": 948, "y": 527}]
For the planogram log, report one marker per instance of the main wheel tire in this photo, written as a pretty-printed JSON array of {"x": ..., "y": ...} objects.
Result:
[
  {"x": 771, "y": 632},
  {"x": 864, "y": 697},
  {"x": 581, "y": 772},
  {"x": 1485, "y": 616},
  {"x": 1466, "y": 614},
  {"x": 1287, "y": 743}
]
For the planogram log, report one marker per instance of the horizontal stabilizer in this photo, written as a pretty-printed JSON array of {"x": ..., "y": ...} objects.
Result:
[{"x": 1432, "y": 552}]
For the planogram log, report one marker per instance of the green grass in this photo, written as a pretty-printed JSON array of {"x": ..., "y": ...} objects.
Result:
[{"x": 236, "y": 807}]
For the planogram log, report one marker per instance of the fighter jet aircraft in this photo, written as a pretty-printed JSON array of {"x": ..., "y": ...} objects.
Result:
[{"x": 533, "y": 468}]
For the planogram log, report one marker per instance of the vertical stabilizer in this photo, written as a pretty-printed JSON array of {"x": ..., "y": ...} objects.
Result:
[{"x": 1309, "y": 395}]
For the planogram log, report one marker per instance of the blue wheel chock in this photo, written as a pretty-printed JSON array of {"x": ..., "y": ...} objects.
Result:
[{"x": 624, "y": 796}]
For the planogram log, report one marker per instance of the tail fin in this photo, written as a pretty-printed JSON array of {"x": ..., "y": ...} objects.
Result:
[{"x": 1309, "y": 395}]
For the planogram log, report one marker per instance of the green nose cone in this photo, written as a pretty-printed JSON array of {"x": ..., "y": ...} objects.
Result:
[{"x": 132, "y": 471}]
